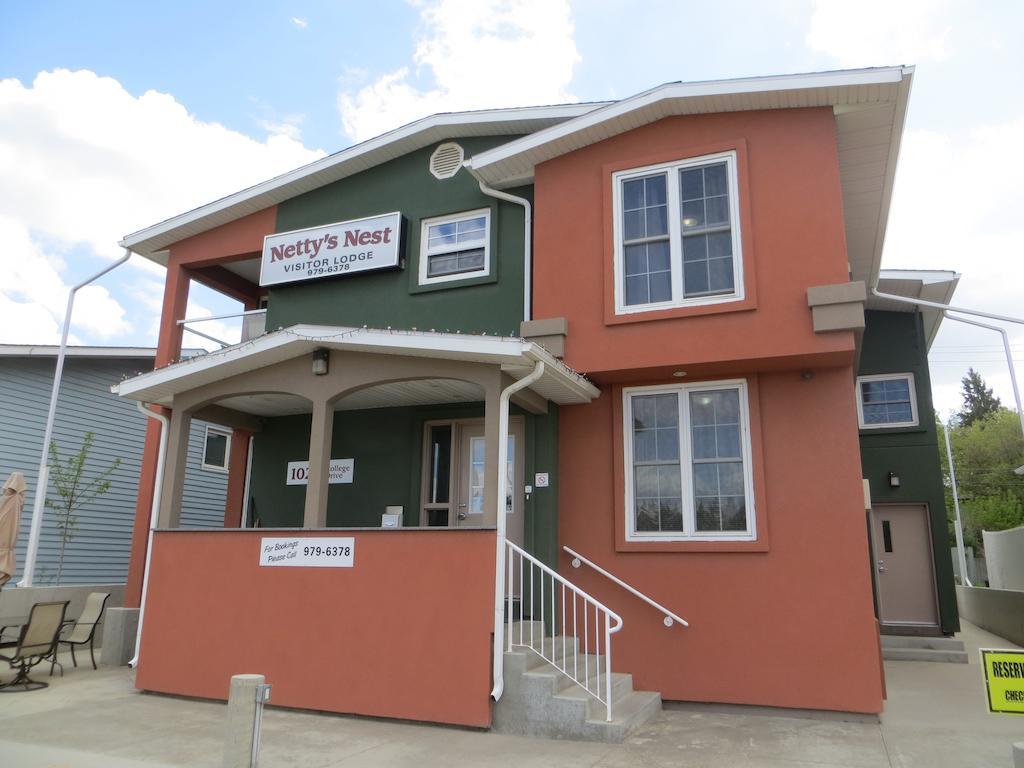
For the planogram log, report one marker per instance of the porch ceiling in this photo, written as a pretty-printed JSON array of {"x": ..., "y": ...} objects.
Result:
[{"x": 516, "y": 358}]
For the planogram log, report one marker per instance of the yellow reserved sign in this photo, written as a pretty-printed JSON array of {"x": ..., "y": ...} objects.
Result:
[{"x": 1004, "y": 680}]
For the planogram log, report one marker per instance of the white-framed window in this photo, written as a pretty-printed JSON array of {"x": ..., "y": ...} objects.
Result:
[
  {"x": 677, "y": 234},
  {"x": 688, "y": 462},
  {"x": 455, "y": 247},
  {"x": 216, "y": 447},
  {"x": 886, "y": 400}
]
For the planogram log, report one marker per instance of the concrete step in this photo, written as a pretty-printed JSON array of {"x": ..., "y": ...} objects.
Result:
[
  {"x": 540, "y": 700},
  {"x": 924, "y": 654},
  {"x": 629, "y": 713},
  {"x": 622, "y": 686},
  {"x": 914, "y": 641}
]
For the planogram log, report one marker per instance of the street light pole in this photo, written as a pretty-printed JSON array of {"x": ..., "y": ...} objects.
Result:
[{"x": 43, "y": 478}]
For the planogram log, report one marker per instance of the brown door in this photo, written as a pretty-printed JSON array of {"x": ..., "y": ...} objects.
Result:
[{"x": 904, "y": 575}]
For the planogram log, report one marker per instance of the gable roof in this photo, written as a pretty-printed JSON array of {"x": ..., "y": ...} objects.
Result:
[
  {"x": 869, "y": 105},
  {"x": 151, "y": 241}
]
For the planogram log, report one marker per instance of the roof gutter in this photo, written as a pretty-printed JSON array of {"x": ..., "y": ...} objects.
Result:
[
  {"x": 946, "y": 309},
  {"x": 527, "y": 240}
]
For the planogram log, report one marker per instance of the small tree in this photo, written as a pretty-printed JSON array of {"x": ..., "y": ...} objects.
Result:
[
  {"x": 74, "y": 489},
  {"x": 979, "y": 402}
]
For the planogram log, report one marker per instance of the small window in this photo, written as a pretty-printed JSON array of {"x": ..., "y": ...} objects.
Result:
[
  {"x": 687, "y": 452},
  {"x": 677, "y": 239},
  {"x": 215, "y": 449},
  {"x": 886, "y": 400},
  {"x": 455, "y": 247}
]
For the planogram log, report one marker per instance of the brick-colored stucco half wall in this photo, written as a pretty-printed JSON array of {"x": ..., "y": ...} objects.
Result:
[{"x": 405, "y": 633}]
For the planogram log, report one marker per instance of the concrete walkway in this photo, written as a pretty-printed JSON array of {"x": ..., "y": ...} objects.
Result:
[{"x": 935, "y": 716}]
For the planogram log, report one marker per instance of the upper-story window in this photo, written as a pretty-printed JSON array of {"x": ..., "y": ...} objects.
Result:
[
  {"x": 886, "y": 400},
  {"x": 677, "y": 239},
  {"x": 455, "y": 247},
  {"x": 688, "y": 462}
]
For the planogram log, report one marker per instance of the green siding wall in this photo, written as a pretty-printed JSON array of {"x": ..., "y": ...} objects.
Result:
[
  {"x": 387, "y": 445},
  {"x": 894, "y": 342},
  {"x": 393, "y": 298}
]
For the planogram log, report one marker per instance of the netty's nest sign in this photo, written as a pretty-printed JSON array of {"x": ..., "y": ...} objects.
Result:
[{"x": 333, "y": 250}]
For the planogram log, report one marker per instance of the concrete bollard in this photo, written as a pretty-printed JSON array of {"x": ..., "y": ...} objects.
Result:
[
  {"x": 1018, "y": 755},
  {"x": 241, "y": 720}
]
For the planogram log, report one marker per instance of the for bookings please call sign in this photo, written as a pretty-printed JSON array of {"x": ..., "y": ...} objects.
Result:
[{"x": 1004, "y": 680}]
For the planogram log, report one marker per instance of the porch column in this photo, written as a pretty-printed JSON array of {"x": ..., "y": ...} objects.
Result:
[
  {"x": 168, "y": 349},
  {"x": 238, "y": 468},
  {"x": 174, "y": 469},
  {"x": 492, "y": 396},
  {"x": 321, "y": 430}
]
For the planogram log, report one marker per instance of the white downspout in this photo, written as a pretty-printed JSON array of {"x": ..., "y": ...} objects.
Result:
[
  {"x": 154, "y": 518},
  {"x": 527, "y": 237},
  {"x": 43, "y": 478},
  {"x": 502, "y": 524},
  {"x": 956, "y": 504}
]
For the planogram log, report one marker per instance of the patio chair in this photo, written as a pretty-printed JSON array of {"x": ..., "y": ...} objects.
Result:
[
  {"x": 85, "y": 628},
  {"x": 37, "y": 642}
]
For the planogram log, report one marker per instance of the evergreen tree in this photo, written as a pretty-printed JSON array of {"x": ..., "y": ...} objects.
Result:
[{"x": 979, "y": 402}]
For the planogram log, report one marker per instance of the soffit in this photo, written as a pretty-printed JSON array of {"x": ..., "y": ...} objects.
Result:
[{"x": 930, "y": 285}]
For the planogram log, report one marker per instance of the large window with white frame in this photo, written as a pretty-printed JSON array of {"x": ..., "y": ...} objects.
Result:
[
  {"x": 455, "y": 247},
  {"x": 688, "y": 466},
  {"x": 886, "y": 400},
  {"x": 677, "y": 234}
]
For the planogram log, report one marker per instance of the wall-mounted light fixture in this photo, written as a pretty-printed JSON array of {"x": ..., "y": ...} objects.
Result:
[
  {"x": 320, "y": 360},
  {"x": 894, "y": 480}
]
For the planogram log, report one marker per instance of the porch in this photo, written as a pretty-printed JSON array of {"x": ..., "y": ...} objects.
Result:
[{"x": 342, "y": 430}]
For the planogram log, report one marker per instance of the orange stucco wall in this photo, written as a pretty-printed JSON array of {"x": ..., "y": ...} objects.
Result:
[
  {"x": 786, "y": 620},
  {"x": 792, "y": 238},
  {"x": 405, "y": 633},
  {"x": 792, "y": 625}
]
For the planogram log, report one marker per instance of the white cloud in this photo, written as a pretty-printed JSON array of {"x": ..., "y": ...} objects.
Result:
[
  {"x": 83, "y": 163},
  {"x": 474, "y": 54},
  {"x": 870, "y": 33},
  {"x": 956, "y": 206},
  {"x": 33, "y": 296},
  {"x": 300, "y": 23},
  {"x": 289, "y": 126}
]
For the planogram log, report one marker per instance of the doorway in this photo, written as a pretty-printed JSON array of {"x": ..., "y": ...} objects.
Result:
[
  {"x": 904, "y": 570},
  {"x": 453, "y": 475}
]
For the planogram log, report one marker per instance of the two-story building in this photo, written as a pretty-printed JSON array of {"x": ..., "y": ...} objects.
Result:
[{"x": 625, "y": 329}]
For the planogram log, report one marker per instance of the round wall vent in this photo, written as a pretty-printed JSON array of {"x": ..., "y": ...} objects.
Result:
[{"x": 446, "y": 160}]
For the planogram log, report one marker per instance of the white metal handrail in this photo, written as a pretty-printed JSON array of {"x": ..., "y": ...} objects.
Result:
[
  {"x": 670, "y": 617},
  {"x": 549, "y": 593}
]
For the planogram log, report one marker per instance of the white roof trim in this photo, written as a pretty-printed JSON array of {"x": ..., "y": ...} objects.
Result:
[
  {"x": 516, "y": 357},
  {"x": 749, "y": 85},
  {"x": 150, "y": 241},
  {"x": 52, "y": 350}
]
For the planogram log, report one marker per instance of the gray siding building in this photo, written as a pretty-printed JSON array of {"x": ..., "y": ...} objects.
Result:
[{"x": 100, "y": 545}]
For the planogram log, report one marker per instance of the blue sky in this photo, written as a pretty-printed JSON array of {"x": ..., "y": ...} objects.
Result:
[{"x": 114, "y": 115}]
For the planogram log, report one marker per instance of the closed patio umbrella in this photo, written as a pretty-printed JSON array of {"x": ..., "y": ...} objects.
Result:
[{"x": 11, "y": 500}]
